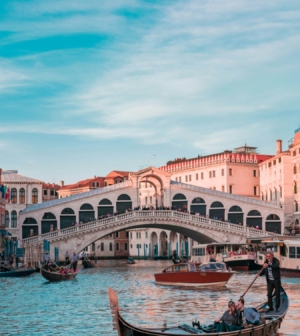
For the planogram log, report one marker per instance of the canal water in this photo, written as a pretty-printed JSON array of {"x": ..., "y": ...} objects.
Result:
[{"x": 33, "y": 306}]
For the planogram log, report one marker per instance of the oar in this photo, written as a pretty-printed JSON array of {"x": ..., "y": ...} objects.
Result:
[
  {"x": 252, "y": 282},
  {"x": 91, "y": 261}
]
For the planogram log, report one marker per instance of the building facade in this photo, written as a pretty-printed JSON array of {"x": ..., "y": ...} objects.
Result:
[
  {"x": 2, "y": 216},
  {"x": 234, "y": 172}
]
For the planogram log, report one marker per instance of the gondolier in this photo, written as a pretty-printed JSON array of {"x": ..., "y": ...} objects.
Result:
[
  {"x": 46, "y": 258},
  {"x": 67, "y": 258},
  {"x": 272, "y": 272},
  {"x": 75, "y": 258}
]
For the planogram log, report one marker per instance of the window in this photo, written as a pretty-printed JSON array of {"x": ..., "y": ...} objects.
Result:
[
  {"x": 209, "y": 174},
  {"x": 45, "y": 192},
  {"x": 117, "y": 234},
  {"x": 146, "y": 235},
  {"x": 197, "y": 177},
  {"x": 214, "y": 173},
  {"x": 295, "y": 169},
  {"x": 223, "y": 189},
  {"x": 130, "y": 235},
  {"x": 127, "y": 234},
  {"x": 6, "y": 219},
  {"x": 254, "y": 173},
  {"x": 14, "y": 219},
  {"x": 255, "y": 190},
  {"x": 150, "y": 199},
  {"x": 137, "y": 235},
  {"x": 179, "y": 178},
  {"x": 110, "y": 246},
  {"x": 230, "y": 171},
  {"x": 111, "y": 235},
  {"x": 125, "y": 246},
  {"x": 279, "y": 160},
  {"x": 52, "y": 192},
  {"x": 186, "y": 178},
  {"x": 130, "y": 245},
  {"x": 222, "y": 172},
  {"x": 93, "y": 247},
  {"x": 22, "y": 196},
  {"x": 230, "y": 189},
  {"x": 275, "y": 193},
  {"x": 146, "y": 200},
  {"x": 274, "y": 162},
  {"x": 102, "y": 247},
  {"x": 34, "y": 196},
  {"x": 176, "y": 179},
  {"x": 270, "y": 164},
  {"x": 190, "y": 178},
  {"x": 280, "y": 191},
  {"x": 295, "y": 188},
  {"x": 117, "y": 247},
  {"x": 262, "y": 196},
  {"x": 294, "y": 153},
  {"x": 13, "y": 195},
  {"x": 202, "y": 176}
]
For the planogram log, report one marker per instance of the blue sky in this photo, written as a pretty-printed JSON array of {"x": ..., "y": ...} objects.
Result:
[{"x": 87, "y": 87}]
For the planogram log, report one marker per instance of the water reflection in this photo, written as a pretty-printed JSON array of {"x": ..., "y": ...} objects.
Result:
[{"x": 33, "y": 305}]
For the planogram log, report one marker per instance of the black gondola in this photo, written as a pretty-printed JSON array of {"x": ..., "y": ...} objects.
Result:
[
  {"x": 269, "y": 327},
  {"x": 88, "y": 264},
  {"x": 17, "y": 273}
]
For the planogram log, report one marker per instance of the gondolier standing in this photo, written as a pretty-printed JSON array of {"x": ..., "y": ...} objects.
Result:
[
  {"x": 272, "y": 272},
  {"x": 46, "y": 258},
  {"x": 67, "y": 258},
  {"x": 75, "y": 258}
]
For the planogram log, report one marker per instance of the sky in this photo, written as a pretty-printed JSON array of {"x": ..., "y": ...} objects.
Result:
[{"x": 87, "y": 87}]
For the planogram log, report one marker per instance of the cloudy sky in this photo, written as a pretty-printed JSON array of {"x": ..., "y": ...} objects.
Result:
[{"x": 87, "y": 87}]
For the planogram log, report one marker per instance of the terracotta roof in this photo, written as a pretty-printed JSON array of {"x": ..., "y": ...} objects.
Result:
[
  {"x": 82, "y": 184},
  {"x": 51, "y": 185},
  {"x": 116, "y": 173}
]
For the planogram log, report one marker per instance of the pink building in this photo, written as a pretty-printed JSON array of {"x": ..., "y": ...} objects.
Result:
[
  {"x": 234, "y": 172},
  {"x": 295, "y": 157}
]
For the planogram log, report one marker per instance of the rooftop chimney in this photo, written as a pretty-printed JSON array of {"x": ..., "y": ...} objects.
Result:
[
  {"x": 62, "y": 184},
  {"x": 278, "y": 146},
  {"x": 95, "y": 176}
]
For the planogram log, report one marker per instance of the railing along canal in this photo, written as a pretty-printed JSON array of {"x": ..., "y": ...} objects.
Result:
[{"x": 151, "y": 214}]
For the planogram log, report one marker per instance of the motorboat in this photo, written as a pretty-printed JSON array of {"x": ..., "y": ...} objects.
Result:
[
  {"x": 194, "y": 274},
  {"x": 285, "y": 249},
  {"x": 239, "y": 257},
  {"x": 271, "y": 322}
]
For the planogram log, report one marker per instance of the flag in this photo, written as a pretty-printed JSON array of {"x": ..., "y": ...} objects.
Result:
[
  {"x": 7, "y": 195},
  {"x": 2, "y": 190}
]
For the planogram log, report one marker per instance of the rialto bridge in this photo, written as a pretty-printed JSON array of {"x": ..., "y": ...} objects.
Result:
[{"x": 203, "y": 215}]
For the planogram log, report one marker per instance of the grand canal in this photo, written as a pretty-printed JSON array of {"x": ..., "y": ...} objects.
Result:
[{"x": 32, "y": 306}]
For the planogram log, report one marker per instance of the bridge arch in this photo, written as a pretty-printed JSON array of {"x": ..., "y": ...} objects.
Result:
[
  {"x": 254, "y": 219},
  {"x": 236, "y": 215},
  {"x": 217, "y": 210},
  {"x": 105, "y": 207},
  {"x": 49, "y": 222},
  {"x": 30, "y": 227},
  {"x": 86, "y": 213},
  {"x": 198, "y": 205},
  {"x": 179, "y": 201},
  {"x": 123, "y": 203},
  {"x": 273, "y": 224},
  {"x": 67, "y": 217}
]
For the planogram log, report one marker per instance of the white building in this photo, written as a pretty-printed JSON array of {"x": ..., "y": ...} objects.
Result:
[{"x": 24, "y": 191}]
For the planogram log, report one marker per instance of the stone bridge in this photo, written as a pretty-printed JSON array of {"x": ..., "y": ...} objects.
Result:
[{"x": 200, "y": 229}]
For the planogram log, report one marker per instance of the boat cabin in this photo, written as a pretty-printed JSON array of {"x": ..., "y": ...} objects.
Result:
[{"x": 196, "y": 267}]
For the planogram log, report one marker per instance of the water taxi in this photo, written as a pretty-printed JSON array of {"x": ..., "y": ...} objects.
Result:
[
  {"x": 240, "y": 257},
  {"x": 285, "y": 249},
  {"x": 194, "y": 274}
]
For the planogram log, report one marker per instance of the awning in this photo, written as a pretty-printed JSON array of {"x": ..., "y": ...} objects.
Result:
[{"x": 5, "y": 233}]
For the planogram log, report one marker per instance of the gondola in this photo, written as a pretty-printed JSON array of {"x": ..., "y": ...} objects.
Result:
[
  {"x": 17, "y": 273},
  {"x": 88, "y": 264},
  {"x": 130, "y": 261},
  {"x": 57, "y": 276},
  {"x": 270, "y": 325}
]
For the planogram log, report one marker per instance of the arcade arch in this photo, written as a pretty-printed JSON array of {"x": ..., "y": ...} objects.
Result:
[
  {"x": 217, "y": 210},
  {"x": 49, "y": 222},
  {"x": 105, "y": 207},
  {"x": 123, "y": 203},
  {"x": 67, "y": 217},
  {"x": 180, "y": 202},
  {"x": 273, "y": 224},
  {"x": 30, "y": 227},
  {"x": 86, "y": 213},
  {"x": 236, "y": 215},
  {"x": 198, "y": 205},
  {"x": 254, "y": 219}
]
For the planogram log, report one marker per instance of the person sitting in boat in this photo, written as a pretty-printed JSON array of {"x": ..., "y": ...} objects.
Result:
[
  {"x": 247, "y": 315},
  {"x": 229, "y": 320},
  {"x": 213, "y": 258}
]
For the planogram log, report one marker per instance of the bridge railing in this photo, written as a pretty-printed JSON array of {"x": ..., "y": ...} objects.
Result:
[{"x": 154, "y": 214}]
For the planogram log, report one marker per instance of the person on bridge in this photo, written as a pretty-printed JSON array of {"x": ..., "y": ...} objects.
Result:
[{"x": 272, "y": 272}]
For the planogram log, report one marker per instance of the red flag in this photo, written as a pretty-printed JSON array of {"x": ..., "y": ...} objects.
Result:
[{"x": 7, "y": 195}]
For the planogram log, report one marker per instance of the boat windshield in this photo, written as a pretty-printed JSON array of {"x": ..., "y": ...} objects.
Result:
[{"x": 212, "y": 267}]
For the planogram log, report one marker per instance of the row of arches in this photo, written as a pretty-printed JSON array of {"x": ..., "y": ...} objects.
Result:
[
  {"x": 235, "y": 214},
  {"x": 68, "y": 216},
  {"x": 22, "y": 196}
]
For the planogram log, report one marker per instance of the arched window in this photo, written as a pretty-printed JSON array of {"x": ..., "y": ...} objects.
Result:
[
  {"x": 295, "y": 187},
  {"x": 13, "y": 195},
  {"x": 34, "y": 196},
  {"x": 262, "y": 196},
  {"x": 295, "y": 169},
  {"x": 102, "y": 247},
  {"x": 14, "y": 219},
  {"x": 296, "y": 206},
  {"x": 110, "y": 246},
  {"x": 273, "y": 217},
  {"x": 275, "y": 193},
  {"x": 254, "y": 219},
  {"x": 217, "y": 205},
  {"x": 254, "y": 213},
  {"x": 86, "y": 206},
  {"x": 93, "y": 247},
  {"x": 273, "y": 224},
  {"x": 6, "y": 219},
  {"x": 179, "y": 197},
  {"x": 105, "y": 201},
  {"x": 22, "y": 196},
  {"x": 235, "y": 208},
  {"x": 68, "y": 211},
  {"x": 198, "y": 200},
  {"x": 124, "y": 197}
]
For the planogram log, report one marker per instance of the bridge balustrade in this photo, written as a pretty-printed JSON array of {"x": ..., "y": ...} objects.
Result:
[{"x": 117, "y": 220}]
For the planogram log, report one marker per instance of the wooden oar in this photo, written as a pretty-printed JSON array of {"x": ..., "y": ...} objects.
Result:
[
  {"x": 252, "y": 282},
  {"x": 91, "y": 261}
]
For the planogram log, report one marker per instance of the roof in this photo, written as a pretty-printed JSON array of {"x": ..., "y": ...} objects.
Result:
[
  {"x": 81, "y": 184},
  {"x": 116, "y": 173},
  {"x": 83, "y": 195},
  {"x": 51, "y": 185},
  {"x": 10, "y": 176}
]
